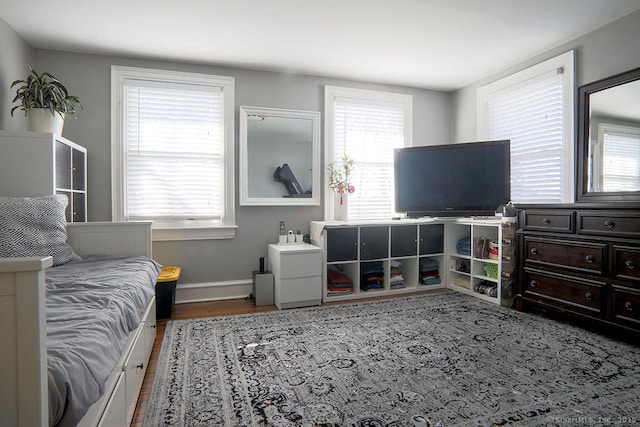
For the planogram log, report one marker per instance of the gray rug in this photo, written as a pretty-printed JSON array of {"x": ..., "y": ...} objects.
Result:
[{"x": 443, "y": 359}]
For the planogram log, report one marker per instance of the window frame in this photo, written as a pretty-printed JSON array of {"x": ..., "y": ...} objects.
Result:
[
  {"x": 174, "y": 229},
  {"x": 368, "y": 96},
  {"x": 567, "y": 62}
]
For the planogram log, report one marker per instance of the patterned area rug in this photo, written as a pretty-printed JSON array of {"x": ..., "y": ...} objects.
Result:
[{"x": 442, "y": 359}]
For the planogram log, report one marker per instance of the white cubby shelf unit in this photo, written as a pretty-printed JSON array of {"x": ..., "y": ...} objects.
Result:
[{"x": 410, "y": 255}]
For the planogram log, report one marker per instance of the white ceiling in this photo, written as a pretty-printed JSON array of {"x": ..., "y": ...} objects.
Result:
[{"x": 438, "y": 44}]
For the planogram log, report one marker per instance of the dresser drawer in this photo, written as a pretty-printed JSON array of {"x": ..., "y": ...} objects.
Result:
[
  {"x": 626, "y": 306},
  {"x": 584, "y": 295},
  {"x": 303, "y": 264},
  {"x": 585, "y": 257},
  {"x": 626, "y": 263},
  {"x": 555, "y": 221},
  {"x": 609, "y": 224}
]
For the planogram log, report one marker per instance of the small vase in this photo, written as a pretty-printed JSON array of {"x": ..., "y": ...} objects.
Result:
[
  {"x": 43, "y": 120},
  {"x": 340, "y": 207}
]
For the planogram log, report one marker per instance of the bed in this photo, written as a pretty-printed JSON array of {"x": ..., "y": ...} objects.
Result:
[{"x": 76, "y": 337}]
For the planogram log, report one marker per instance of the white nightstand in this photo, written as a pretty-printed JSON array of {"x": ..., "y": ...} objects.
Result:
[{"x": 297, "y": 274}]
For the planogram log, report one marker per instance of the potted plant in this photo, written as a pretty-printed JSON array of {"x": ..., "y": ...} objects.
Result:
[{"x": 45, "y": 101}]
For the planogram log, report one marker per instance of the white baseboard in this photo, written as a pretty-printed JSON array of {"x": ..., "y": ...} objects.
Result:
[{"x": 213, "y": 291}]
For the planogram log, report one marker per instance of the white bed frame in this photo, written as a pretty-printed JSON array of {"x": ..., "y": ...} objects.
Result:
[{"x": 23, "y": 365}]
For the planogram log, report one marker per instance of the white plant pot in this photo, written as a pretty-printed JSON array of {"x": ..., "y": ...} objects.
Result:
[
  {"x": 42, "y": 120},
  {"x": 340, "y": 207}
]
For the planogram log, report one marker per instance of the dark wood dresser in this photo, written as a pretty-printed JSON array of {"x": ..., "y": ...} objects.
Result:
[{"x": 581, "y": 264}]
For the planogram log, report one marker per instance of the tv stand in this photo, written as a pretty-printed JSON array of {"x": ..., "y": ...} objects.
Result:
[{"x": 412, "y": 247}]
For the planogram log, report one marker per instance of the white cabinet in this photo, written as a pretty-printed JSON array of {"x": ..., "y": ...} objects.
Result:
[
  {"x": 297, "y": 274},
  {"x": 41, "y": 164},
  {"x": 382, "y": 258}
]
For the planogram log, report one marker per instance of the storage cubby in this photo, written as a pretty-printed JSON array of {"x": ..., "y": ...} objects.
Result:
[
  {"x": 395, "y": 248},
  {"x": 374, "y": 276},
  {"x": 341, "y": 279},
  {"x": 474, "y": 253}
]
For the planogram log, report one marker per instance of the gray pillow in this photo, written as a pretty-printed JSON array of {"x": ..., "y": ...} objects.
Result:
[{"x": 35, "y": 226}]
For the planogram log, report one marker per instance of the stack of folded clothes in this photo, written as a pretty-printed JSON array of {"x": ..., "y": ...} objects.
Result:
[
  {"x": 371, "y": 275},
  {"x": 429, "y": 271},
  {"x": 338, "y": 283},
  {"x": 464, "y": 246},
  {"x": 487, "y": 288},
  {"x": 397, "y": 279}
]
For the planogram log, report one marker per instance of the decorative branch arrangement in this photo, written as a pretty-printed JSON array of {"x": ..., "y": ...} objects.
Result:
[{"x": 340, "y": 176}]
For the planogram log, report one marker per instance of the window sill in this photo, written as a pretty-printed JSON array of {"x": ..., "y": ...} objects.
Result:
[{"x": 162, "y": 233}]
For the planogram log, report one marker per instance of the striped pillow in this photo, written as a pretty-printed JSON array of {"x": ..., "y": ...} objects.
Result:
[{"x": 35, "y": 227}]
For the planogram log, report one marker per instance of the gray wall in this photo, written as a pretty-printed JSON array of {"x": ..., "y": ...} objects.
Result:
[
  {"x": 438, "y": 118},
  {"x": 609, "y": 50},
  {"x": 15, "y": 58},
  {"x": 88, "y": 76}
]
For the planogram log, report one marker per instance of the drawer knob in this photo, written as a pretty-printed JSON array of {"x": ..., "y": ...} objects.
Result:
[
  {"x": 546, "y": 221},
  {"x": 590, "y": 259},
  {"x": 140, "y": 366},
  {"x": 534, "y": 251},
  {"x": 609, "y": 224},
  {"x": 533, "y": 283},
  {"x": 628, "y": 306},
  {"x": 630, "y": 265},
  {"x": 588, "y": 296}
]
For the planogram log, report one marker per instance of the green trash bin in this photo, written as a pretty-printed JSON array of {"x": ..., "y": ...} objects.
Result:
[{"x": 166, "y": 291}]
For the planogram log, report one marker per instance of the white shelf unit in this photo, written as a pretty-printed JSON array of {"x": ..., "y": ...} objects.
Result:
[
  {"x": 351, "y": 247},
  {"x": 467, "y": 270},
  {"x": 357, "y": 249},
  {"x": 41, "y": 164}
]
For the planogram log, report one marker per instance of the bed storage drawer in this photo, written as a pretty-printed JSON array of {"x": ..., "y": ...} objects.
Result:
[
  {"x": 115, "y": 413},
  {"x": 134, "y": 369},
  {"x": 150, "y": 328}
]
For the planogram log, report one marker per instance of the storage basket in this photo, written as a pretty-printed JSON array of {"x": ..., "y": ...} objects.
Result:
[{"x": 491, "y": 270}]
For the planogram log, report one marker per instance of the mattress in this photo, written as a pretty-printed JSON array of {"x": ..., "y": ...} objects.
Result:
[{"x": 92, "y": 306}]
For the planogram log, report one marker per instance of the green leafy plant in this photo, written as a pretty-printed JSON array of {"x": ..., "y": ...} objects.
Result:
[
  {"x": 340, "y": 176},
  {"x": 44, "y": 91}
]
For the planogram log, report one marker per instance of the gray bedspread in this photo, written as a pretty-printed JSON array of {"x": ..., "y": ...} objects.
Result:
[{"x": 92, "y": 306}]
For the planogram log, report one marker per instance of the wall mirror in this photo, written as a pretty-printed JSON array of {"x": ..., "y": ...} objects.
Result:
[
  {"x": 279, "y": 157},
  {"x": 609, "y": 139}
]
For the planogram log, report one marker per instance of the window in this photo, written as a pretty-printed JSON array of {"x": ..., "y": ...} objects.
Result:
[
  {"x": 616, "y": 158},
  {"x": 534, "y": 109},
  {"x": 172, "y": 150},
  {"x": 367, "y": 126}
]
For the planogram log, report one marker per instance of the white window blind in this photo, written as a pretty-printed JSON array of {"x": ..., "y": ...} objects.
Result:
[
  {"x": 174, "y": 151},
  {"x": 620, "y": 151},
  {"x": 533, "y": 110},
  {"x": 367, "y": 131}
]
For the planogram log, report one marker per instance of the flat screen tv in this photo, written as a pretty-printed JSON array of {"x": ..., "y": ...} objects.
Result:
[{"x": 466, "y": 179}]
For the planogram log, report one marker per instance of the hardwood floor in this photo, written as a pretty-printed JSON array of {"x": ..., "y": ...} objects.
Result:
[{"x": 205, "y": 309}]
